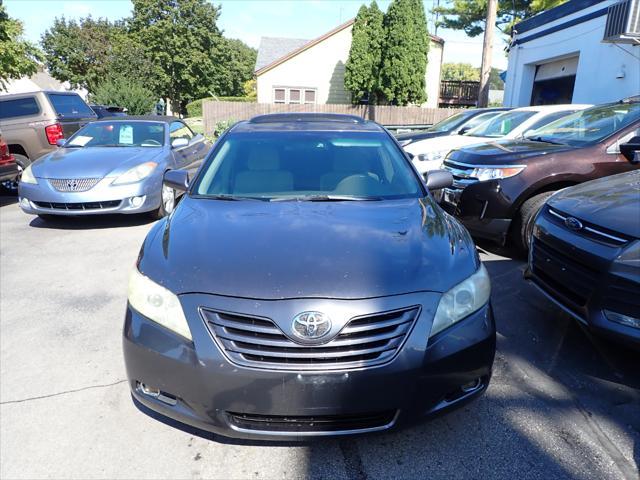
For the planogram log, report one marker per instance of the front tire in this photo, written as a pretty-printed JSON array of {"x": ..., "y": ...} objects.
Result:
[
  {"x": 523, "y": 226},
  {"x": 167, "y": 202}
]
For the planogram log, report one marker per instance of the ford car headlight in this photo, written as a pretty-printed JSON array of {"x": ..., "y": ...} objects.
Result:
[
  {"x": 136, "y": 173},
  {"x": 494, "y": 173},
  {"x": 157, "y": 304},
  {"x": 462, "y": 300},
  {"x": 27, "y": 176}
]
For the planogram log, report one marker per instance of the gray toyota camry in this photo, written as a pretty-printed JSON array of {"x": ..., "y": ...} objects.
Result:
[
  {"x": 112, "y": 166},
  {"x": 307, "y": 285}
]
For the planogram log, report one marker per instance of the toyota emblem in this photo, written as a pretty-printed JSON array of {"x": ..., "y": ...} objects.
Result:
[{"x": 311, "y": 325}]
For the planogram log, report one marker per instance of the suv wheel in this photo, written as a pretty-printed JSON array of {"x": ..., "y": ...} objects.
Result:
[{"x": 523, "y": 225}]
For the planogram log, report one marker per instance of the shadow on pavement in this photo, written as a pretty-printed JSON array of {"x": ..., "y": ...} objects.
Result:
[
  {"x": 94, "y": 222},
  {"x": 8, "y": 200}
]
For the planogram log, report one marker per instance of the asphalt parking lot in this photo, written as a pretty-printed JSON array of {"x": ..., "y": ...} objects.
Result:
[{"x": 562, "y": 404}]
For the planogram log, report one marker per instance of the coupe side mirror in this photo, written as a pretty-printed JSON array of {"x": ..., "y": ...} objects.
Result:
[
  {"x": 463, "y": 130},
  {"x": 438, "y": 179},
  {"x": 631, "y": 150},
  {"x": 61, "y": 141},
  {"x": 179, "y": 142},
  {"x": 177, "y": 179}
]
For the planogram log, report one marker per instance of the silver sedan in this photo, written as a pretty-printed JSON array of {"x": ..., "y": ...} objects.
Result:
[{"x": 112, "y": 166}]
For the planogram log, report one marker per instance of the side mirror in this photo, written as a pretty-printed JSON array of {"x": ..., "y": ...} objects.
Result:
[
  {"x": 179, "y": 142},
  {"x": 438, "y": 179},
  {"x": 463, "y": 130},
  {"x": 631, "y": 149},
  {"x": 177, "y": 179},
  {"x": 61, "y": 141},
  {"x": 410, "y": 155}
]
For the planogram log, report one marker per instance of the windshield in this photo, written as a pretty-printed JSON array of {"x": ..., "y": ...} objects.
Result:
[
  {"x": 314, "y": 166},
  {"x": 119, "y": 134},
  {"x": 502, "y": 124},
  {"x": 590, "y": 125},
  {"x": 450, "y": 123}
]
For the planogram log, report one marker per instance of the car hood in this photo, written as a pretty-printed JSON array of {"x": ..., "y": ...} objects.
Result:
[
  {"x": 610, "y": 202},
  {"x": 92, "y": 162},
  {"x": 279, "y": 250},
  {"x": 505, "y": 151},
  {"x": 442, "y": 144}
]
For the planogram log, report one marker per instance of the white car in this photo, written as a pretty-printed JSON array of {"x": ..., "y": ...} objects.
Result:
[{"x": 429, "y": 154}]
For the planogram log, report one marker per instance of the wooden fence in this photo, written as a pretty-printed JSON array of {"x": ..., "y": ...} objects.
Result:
[{"x": 214, "y": 112}]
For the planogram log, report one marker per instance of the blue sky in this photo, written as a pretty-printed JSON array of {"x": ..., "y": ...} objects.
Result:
[{"x": 249, "y": 20}]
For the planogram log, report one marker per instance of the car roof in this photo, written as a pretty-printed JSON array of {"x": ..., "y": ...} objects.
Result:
[
  {"x": 306, "y": 122},
  {"x": 553, "y": 108}
]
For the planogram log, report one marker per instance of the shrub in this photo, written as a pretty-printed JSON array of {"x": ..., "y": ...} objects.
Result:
[
  {"x": 127, "y": 93},
  {"x": 221, "y": 126}
]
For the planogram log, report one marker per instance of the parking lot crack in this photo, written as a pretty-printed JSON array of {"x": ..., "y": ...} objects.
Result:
[{"x": 76, "y": 390}]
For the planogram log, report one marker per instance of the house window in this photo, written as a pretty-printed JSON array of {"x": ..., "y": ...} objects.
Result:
[
  {"x": 279, "y": 95},
  {"x": 309, "y": 96},
  {"x": 294, "y": 95}
]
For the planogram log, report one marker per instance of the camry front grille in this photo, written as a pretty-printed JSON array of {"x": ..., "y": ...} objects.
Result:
[
  {"x": 79, "y": 206},
  {"x": 73, "y": 184},
  {"x": 258, "y": 342}
]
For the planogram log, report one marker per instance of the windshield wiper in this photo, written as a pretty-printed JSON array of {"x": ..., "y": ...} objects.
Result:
[
  {"x": 543, "y": 140},
  {"x": 235, "y": 198},
  {"x": 325, "y": 198}
]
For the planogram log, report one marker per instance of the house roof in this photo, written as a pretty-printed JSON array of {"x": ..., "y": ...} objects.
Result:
[
  {"x": 273, "y": 48},
  {"x": 553, "y": 14},
  {"x": 269, "y": 59}
]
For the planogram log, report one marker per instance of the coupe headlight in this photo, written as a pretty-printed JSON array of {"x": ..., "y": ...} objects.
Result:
[
  {"x": 136, "y": 174},
  {"x": 496, "y": 173},
  {"x": 27, "y": 176},
  {"x": 462, "y": 300},
  {"x": 157, "y": 303}
]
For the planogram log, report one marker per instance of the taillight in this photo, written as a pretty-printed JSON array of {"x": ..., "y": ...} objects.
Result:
[{"x": 54, "y": 133}]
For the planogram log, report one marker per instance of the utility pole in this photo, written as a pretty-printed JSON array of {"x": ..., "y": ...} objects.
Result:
[{"x": 487, "y": 50}]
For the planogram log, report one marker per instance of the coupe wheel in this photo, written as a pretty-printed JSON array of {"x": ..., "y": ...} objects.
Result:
[{"x": 167, "y": 202}]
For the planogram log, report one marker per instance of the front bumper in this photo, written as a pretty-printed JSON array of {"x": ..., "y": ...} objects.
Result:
[
  {"x": 480, "y": 209},
  {"x": 103, "y": 198},
  {"x": 202, "y": 388},
  {"x": 9, "y": 171},
  {"x": 579, "y": 275}
]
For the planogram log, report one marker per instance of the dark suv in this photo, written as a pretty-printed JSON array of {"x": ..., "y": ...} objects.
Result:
[
  {"x": 307, "y": 285},
  {"x": 499, "y": 187}
]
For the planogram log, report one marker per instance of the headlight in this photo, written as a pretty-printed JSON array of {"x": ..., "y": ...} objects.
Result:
[
  {"x": 136, "y": 173},
  {"x": 495, "y": 173},
  {"x": 462, "y": 300},
  {"x": 433, "y": 156},
  {"x": 27, "y": 176},
  {"x": 157, "y": 303}
]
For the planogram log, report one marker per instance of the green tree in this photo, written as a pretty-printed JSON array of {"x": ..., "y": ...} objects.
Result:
[
  {"x": 18, "y": 57},
  {"x": 362, "y": 70},
  {"x": 184, "y": 44},
  {"x": 233, "y": 68},
  {"x": 460, "y": 71},
  {"x": 125, "y": 92},
  {"x": 469, "y": 15},
  {"x": 404, "y": 53},
  {"x": 80, "y": 51}
]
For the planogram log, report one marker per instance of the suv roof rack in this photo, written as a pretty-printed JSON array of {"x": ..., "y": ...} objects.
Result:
[{"x": 306, "y": 117}]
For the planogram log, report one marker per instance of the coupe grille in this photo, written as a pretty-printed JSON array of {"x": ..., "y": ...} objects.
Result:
[
  {"x": 73, "y": 184},
  {"x": 312, "y": 424},
  {"x": 79, "y": 206},
  {"x": 363, "y": 342}
]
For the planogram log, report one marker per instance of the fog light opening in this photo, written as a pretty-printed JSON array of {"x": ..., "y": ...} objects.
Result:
[
  {"x": 24, "y": 203},
  {"x": 464, "y": 390},
  {"x": 137, "y": 201},
  {"x": 157, "y": 394},
  {"x": 471, "y": 386}
]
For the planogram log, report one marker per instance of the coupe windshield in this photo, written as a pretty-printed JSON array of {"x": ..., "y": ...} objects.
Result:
[
  {"x": 119, "y": 134},
  {"x": 501, "y": 125},
  {"x": 313, "y": 166},
  {"x": 590, "y": 125}
]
